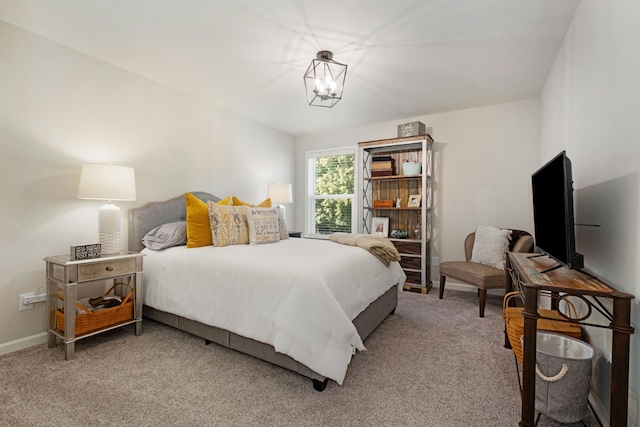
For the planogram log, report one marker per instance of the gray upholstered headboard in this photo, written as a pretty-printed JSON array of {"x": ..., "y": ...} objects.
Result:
[{"x": 150, "y": 215}]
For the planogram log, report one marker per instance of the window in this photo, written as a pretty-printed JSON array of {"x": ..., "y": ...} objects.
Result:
[{"x": 330, "y": 191}]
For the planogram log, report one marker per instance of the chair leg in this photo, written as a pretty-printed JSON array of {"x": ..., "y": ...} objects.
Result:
[
  {"x": 482, "y": 293},
  {"x": 441, "y": 289}
]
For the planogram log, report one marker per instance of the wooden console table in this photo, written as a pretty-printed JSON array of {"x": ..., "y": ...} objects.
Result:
[{"x": 525, "y": 276}]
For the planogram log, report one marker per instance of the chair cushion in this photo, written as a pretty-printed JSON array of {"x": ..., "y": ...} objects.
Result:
[{"x": 480, "y": 275}]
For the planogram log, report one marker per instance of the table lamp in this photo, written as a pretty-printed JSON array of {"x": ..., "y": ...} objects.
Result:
[
  {"x": 280, "y": 193},
  {"x": 107, "y": 182}
]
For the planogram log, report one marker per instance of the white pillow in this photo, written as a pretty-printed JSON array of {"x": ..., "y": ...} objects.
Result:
[
  {"x": 166, "y": 236},
  {"x": 490, "y": 246},
  {"x": 264, "y": 225}
]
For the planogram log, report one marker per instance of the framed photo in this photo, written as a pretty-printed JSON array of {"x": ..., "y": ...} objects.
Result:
[
  {"x": 380, "y": 226},
  {"x": 414, "y": 201}
]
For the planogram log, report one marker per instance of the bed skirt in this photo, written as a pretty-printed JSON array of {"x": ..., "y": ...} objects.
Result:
[{"x": 366, "y": 322}]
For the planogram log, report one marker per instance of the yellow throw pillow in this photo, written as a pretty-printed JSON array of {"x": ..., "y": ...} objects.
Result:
[
  {"x": 228, "y": 225},
  {"x": 198, "y": 229},
  {"x": 264, "y": 204},
  {"x": 226, "y": 201}
]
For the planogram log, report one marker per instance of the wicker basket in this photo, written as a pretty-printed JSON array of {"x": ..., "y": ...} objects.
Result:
[
  {"x": 514, "y": 323},
  {"x": 90, "y": 321}
]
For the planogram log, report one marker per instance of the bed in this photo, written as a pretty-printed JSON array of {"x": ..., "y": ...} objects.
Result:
[{"x": 335, "y": 294}]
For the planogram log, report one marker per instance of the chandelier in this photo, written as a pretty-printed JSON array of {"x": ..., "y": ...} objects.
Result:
[{"x": 324, "y": 80}]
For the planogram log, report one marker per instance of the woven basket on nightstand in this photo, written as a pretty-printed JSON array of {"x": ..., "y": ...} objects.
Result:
[{"x": 90, "y": 321}]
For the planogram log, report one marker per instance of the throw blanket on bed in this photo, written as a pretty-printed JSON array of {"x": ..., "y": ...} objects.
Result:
[{"x": 380, "y": 247}]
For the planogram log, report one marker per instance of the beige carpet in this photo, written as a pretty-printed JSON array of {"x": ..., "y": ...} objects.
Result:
[{"x": 433, "y": 363}]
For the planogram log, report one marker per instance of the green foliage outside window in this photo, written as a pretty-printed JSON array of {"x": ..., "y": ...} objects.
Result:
[{"x": 334, "y": 176}]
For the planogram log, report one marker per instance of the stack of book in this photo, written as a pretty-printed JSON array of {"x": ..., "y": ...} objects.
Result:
[{"x": 381, "y": 165}]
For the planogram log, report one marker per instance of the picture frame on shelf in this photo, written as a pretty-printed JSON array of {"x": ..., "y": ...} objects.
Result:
[
  {"x": 414, "y": 201},
  {"x": 380, "y": 226}
]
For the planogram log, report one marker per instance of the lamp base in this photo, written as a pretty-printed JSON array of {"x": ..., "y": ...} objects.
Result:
[
  {"x": 109, "y": 229},
  {"x": 109, "y": 242}
]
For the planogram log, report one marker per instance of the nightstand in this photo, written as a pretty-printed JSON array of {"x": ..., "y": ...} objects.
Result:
[
  {"x": 295, "y": 234},
  {"x": 65, "y": 275}
]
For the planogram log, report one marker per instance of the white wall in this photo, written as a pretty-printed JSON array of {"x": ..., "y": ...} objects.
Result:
[
  {"x": 484, "y": 158},
  {"x": 59, "y": 109},
  {"x": 589, "y": 107}
]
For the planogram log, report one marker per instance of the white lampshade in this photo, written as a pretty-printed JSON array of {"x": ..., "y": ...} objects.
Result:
[
  {"x": 280, "y": 193},
  {"x": 107, "y": 182}
]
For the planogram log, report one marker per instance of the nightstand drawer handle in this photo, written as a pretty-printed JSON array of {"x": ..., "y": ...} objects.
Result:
[{"x": 109, "y": 268}]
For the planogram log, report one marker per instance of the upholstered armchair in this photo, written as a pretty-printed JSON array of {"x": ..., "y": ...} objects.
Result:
[{"x": 482, "y": 276}]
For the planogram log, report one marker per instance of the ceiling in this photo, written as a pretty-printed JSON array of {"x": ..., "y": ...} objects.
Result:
[{"x": 406, "y": 58}]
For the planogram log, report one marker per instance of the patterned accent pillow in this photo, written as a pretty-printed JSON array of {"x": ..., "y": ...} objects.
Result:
[
  {"x": 264, "y": 225},
  {"x": 490, "y": 246},
  {"x": 228, "y": 225}
]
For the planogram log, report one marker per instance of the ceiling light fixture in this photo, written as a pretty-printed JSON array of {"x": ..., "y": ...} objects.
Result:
[{"x": 324, "y": 80}]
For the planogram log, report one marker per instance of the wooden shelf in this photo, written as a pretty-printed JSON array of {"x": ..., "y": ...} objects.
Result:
[
  {"x": 393, "y": 208},
  {"x": 394, "y": 177},
  {"x": 415, "y": 253}
]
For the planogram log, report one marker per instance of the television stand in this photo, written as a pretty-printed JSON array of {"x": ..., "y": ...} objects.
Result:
[
  {"x": 555, "y": 267},
  {"x": 523, "y": 275}
]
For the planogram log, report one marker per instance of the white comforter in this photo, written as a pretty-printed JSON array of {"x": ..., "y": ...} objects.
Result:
[{"x": 299, "y": 295}]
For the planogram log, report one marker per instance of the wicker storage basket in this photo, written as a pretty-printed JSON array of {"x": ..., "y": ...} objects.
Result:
[
  {"x": 514, "y": 323},
  {"x": 93, "y": 320}
]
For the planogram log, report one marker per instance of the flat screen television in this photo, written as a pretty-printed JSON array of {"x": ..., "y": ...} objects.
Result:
[{"x": 553, "y": 216}]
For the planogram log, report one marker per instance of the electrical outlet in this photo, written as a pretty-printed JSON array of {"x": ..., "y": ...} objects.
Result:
[
  {"x": 434, "y": 261},
  {"x": 35, "y": 298},
  {"x": 23, "y": 302}
]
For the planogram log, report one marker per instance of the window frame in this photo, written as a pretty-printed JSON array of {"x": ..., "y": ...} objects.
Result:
[{"x": 310, "y": 196}]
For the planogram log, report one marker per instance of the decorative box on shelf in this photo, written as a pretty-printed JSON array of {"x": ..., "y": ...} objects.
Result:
[
  {"x": 411, "y": 129},
  {"x": 383, "y": 203}
]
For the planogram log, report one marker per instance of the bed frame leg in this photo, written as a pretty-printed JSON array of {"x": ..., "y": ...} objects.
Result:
[
  {"x": 320, "y": 385},
  {"x": 207, "y": 342},
  {"x": 393, "y": 312}
]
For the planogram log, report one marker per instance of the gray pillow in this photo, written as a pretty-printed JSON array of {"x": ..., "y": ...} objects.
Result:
[{"x": 166, "y": 236}]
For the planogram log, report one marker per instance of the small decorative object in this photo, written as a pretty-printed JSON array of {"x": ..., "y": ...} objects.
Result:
[
  {"x": 383, "y": 203},
  {"x": 399, "y": 234},
  {"x": 411, "y": 168},
  {"x": 414, "y": 201},
  {"x": 416, "y": 232},
  {"x": 85, "y": 251},
  {"x": 398, "y": 202},
  {"x": 380, "y": 226},
  {"x": 411, "y": 129}
]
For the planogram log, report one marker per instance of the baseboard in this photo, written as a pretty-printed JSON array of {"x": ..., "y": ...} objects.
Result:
[
  {"x": 601, "y": 413},
  {"x": 22, "y": 343}
]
